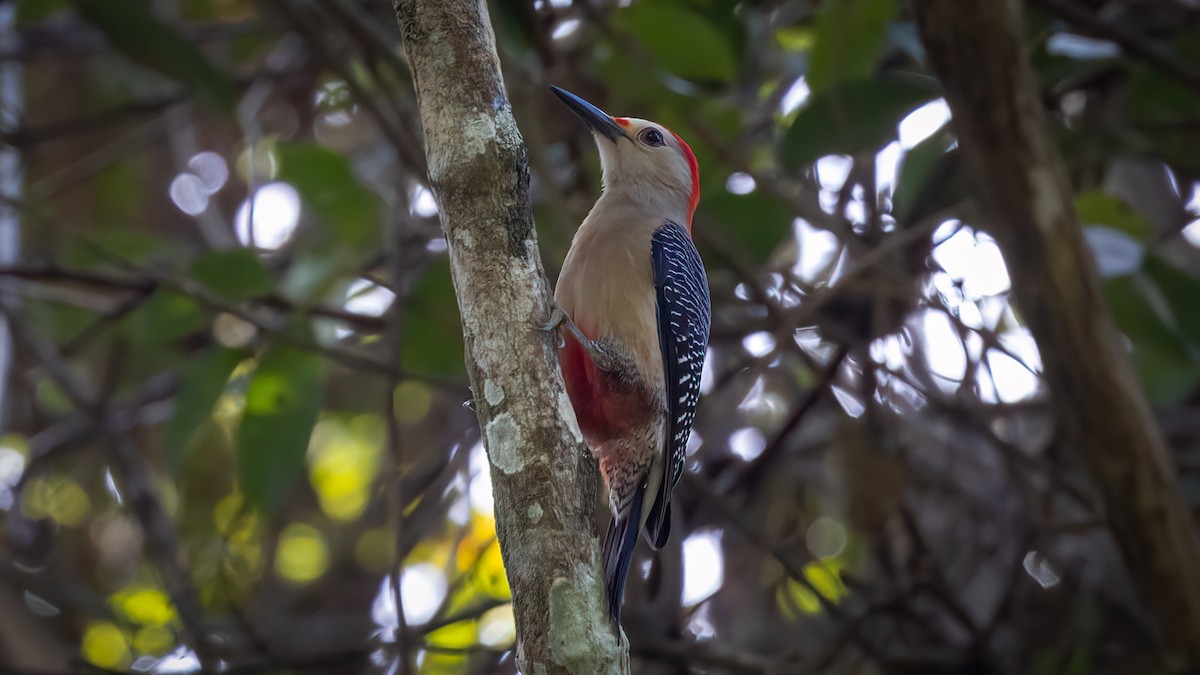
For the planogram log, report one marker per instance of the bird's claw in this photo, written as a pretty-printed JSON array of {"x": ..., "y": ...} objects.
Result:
[
  {"x": 557, "y": 318},
  {"x": 560, "y": 319}
]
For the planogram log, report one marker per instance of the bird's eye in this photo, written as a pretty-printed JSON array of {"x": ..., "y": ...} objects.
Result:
[{"x": 652, "y": 137}]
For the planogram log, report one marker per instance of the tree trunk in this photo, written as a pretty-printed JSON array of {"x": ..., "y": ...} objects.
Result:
[
  {"x": 975, "y": 48},
  {"x": 543, "y": 480}
]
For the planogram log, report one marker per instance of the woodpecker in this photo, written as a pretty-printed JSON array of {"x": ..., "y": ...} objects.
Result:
[{"x": 633, "y": 297}]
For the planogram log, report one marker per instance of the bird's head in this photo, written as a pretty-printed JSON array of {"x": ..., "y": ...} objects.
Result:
[{"x": 642, "y": 159}]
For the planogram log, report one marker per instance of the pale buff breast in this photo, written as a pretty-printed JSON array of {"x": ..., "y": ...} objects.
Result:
[{"x": 607, "y": 284}]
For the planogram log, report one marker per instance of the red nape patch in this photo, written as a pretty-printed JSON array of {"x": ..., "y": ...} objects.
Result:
[
  {"x": 695, "y": 167},
  {"x": 622, "y": 121}
]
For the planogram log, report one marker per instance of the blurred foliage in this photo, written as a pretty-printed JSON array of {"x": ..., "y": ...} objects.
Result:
[
  {"x": 850, "y": 118},
  {"x": 235, "y": 418}
]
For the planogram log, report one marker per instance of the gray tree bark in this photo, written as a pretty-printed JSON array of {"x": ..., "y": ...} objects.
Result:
[
  {"x": 543, "y": 480},
  {"x": 975, "y": 48}
]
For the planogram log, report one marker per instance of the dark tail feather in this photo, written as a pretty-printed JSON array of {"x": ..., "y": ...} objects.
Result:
[
  {"x": 658, "y": 539},
  {"x": 618, "y": 553}
]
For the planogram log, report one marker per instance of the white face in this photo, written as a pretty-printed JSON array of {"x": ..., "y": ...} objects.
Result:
[{"x": 649, "y": 161}]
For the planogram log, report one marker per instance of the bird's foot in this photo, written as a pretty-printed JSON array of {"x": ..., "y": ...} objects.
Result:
[
  {"x": 557, "y": 318},
  {"x": 560, "y": 319}
]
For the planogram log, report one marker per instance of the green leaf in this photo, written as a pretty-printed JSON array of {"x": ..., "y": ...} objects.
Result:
[
  {"x": 315, "y": 270},
  {"x": 104, "y": 245},
  {"x": 851, "y": 117},
  {"x": 755, "y": 220},
  {"x": 1160, "y": 109},
  {"x": 204, "y": 381},
  {"x": 1097, "y": 208},
  {"x": 328, "y": 186},
  {"x": 682, "y": 42},
  {"x": 432, "y": 337},
  {"x": 282, "y": 403},
  {"x": 236, "y": 274},
  {"x": 1180, "y": 290},
  {"x": 29, "y": 11},
  {"x": 850, "y": 37},
  {"x": 929, "y": 180},
  {"x": 136, "y": 33},
  {"x": 165, "y": 318},
  {"x": 116, "y": 196},
  {"x": 794, "y": 38},
  {"x": 1161, "y": 357},
  {"x": 1154, "y": 95}
]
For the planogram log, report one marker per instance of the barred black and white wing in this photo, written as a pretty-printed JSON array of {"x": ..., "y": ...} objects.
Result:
[{"x": 684, "y": 316}]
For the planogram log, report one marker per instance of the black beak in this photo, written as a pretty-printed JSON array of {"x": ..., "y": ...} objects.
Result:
[{"x": 598, "y": 120}]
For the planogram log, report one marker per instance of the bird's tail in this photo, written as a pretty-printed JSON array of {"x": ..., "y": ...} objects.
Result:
[
  {"x": 618, "y": 551},
  {"x": 657, "y": 535}
]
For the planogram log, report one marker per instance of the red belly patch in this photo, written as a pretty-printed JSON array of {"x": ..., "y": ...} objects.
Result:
[{"x": 605, "y": 406}]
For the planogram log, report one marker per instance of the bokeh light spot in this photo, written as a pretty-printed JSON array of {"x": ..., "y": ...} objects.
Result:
[
  {"x": 211, "y": 169},
  {"x": 796, "y": 94},
  {"x": 565, "y": 29},
  {"x": 497, "y": 629},
  {"x": 412, "y": 401},
  {"x": 182, "y": 660},
  {"x": 187, "y": 192},
  {"x": 231, "y": 331},
  {"x": 276, "y": 211},
  {"x": 1040, "y": 570},
  {"x": 423, "y": 586},
  {"x": 343, "y": 464},
  {"x": 105, "y": 646},
  {"x": 747, "y": 443},
  {"x": 923, "y": 123},
  {"x": 825, "y": 537},
  {"x": 740, "y": 183},
  {"x": 975, "y": 260},
  {"x": 759, "y": 344},
  {"x": 13, "y": 451},
  {"x": 302, "y": 555},
  {"x": 458, "y": 635},
  {"x": 823, "y": 579},
  {"x": 145, "y": 605},
  {"x": 481, "y": 481},
  {"x": 703, "y": 566},
  {"x": 153, "y": 640},
  {"x": 374, "y": 549},
  {"x": 366, "y": 297},
  {"x": 56, "y": 497},
  {"x": 258, "y": 162},
  {"x": 424, "y": 204}
]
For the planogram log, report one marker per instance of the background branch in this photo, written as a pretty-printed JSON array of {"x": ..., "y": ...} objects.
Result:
[{"x": 976, "y": 52}]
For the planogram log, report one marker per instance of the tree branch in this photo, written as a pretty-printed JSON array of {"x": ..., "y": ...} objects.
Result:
[
  {"x": 1137, "y": 45},
  {"x": 543, "y": 481},
  {"x": 974, "y": 47}
]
